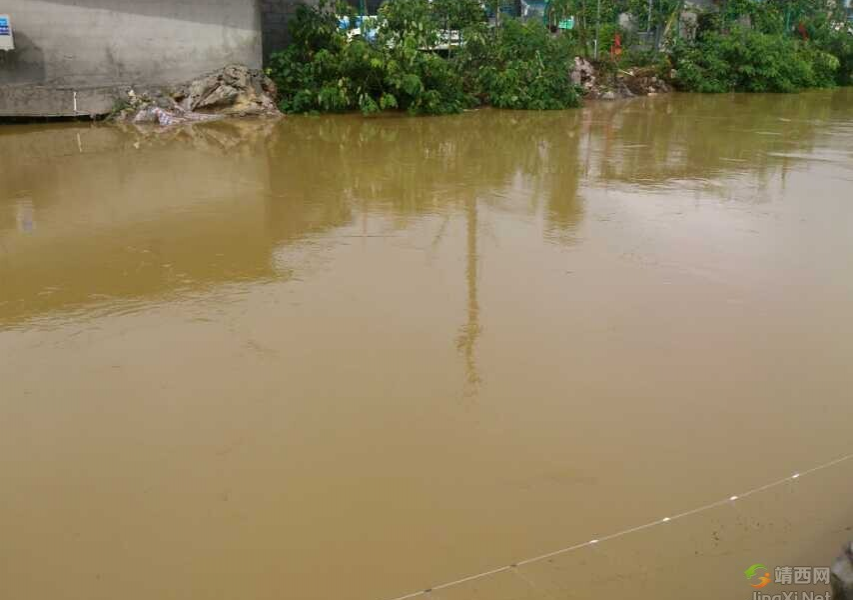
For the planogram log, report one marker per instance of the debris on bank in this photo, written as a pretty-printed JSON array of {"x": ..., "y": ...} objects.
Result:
[
  {"x": 598, "y": 85},
  {"x": 234, "y": 91}
]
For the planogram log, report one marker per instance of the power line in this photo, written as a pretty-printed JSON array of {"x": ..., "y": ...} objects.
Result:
[{"x": 729, "y": 500}]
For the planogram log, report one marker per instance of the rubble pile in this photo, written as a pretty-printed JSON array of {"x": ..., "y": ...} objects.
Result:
[
  {"x": 235, "y": 91},
  {"x": 596, "y": 85}
]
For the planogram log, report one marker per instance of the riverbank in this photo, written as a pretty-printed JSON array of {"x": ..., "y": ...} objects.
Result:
[{"x": 402, "y": 60}]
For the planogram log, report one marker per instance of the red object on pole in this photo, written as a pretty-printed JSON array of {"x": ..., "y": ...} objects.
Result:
[{"x": 616, "y": 48}]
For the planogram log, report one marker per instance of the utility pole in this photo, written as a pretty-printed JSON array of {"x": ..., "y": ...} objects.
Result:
[
  {"x": 597, "y": 29},
  {"x": 649, "y": 26}
]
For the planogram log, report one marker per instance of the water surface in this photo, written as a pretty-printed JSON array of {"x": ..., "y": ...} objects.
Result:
[{"x": 352, "y": 358}]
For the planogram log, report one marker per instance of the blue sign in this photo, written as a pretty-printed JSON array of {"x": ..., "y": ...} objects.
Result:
[{"x": 4, "y": 26}]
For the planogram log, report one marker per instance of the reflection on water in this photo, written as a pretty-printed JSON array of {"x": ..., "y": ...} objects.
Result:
[
  {"x": 470, "y": 331},
  {"x": 261, "y": 185},
  {"x": 361, "y": 356},
  {"x": 26, "y": 216}
]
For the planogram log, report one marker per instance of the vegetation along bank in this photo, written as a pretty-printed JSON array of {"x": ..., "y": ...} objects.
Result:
[{"x": 445, "y": 56}]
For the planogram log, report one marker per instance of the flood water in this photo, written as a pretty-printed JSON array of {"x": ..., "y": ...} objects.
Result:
[{"x": 349, "y": 358}]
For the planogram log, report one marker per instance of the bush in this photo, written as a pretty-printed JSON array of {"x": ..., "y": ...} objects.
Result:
[
  {"x": 521, "y": 65},
  {"x": 789, "y": 46},
  {"x": 837, "y": 42},
  {"x": 324, "y": 71},
  {"x": 751, "y": 61},
  {"x": 840, "y": 45}
]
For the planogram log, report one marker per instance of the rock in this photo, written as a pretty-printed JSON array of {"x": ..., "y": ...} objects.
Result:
[
  {"x": 164, "y": 102},
  {"x": 239, "y": 76},
  {"x": 608, "y": 95},
  {"x": 842, "y": 575},
  {"x": 583, "y": 72},
  {"x": 220, "y": 97},
  {"x": 234, "y": 91}
]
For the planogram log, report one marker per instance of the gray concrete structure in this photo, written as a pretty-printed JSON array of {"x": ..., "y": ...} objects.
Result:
[
  {"x": 72, "y": 56},
  {"x": 275, "y": 17}
]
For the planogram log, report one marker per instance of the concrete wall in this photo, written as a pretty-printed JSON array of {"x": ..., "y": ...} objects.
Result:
[
  {"x": 276, "y": 16},
  {"x": 94, "y": 46}
]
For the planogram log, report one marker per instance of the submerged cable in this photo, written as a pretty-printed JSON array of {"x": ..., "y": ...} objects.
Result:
[{"x": 731, "y": 499}]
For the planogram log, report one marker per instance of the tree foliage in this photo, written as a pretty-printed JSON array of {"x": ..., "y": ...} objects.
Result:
[
  {"x": 751, "y": 61},
  {"x": 521, "y": 65},
  {"x": 743, "y": 45},
  {"x": 326, "y": 69},
  {"x": 768, "y": 46},
  {"x": 323, "y": 70}
]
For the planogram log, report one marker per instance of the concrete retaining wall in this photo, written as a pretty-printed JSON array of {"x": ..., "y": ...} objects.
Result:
[
  {"x": 276, "y": 16},
  {"x": 94, "y": 47}
]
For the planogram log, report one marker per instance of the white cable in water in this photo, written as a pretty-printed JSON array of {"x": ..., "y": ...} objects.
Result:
[{"x": 694, "y": 511}]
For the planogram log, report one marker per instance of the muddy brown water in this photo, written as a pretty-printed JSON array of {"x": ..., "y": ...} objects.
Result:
[{"x": 348, "y": 358}]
